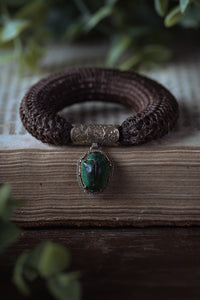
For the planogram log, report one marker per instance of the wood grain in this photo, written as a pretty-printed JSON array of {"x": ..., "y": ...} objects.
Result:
[
  {"x": 122, "y": 264},
  {"x": 150, "y": 186}
]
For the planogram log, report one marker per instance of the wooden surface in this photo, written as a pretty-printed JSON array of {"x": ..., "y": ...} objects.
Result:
[
  {"x": 154, "y": 184},
  {"x": 122, "y": 264},
  {"x": 149, "y": 187}
]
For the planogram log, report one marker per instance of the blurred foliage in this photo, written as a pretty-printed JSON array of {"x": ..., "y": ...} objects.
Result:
[
  {"x": 8, "y": 231},
  {"x": 139, "y": 31},
  {"x": 47, "y": 261}
]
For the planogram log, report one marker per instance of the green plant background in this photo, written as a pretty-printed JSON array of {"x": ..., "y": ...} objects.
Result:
[{"x": 139, "y": 32}]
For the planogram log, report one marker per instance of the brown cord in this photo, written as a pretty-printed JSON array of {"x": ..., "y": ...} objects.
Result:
[{"x": 157, "y": 109}]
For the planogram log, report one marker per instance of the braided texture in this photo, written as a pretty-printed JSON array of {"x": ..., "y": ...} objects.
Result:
[{"x": 156, "y": 108}]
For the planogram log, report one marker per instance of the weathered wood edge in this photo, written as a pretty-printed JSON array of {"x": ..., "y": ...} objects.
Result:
[{"x": 105, "y": 224}]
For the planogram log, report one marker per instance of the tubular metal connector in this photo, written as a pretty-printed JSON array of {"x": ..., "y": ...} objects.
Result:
[{"x": 103, "y": 134}]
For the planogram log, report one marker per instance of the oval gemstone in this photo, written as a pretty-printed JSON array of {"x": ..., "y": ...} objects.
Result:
[{"x": 95, "y": 172}]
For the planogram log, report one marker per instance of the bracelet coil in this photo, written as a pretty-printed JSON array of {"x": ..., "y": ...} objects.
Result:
[
  {"x": 156, "y": 114},
  {"x": 156, "y": 108}
]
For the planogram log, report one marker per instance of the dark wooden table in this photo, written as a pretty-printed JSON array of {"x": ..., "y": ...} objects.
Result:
[{"x": 123, "y": 263}]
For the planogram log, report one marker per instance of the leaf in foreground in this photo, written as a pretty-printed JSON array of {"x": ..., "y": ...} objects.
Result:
[
  {"x": 65, "y": 287},
  {"x": 5, "y": 193},
  {"x": 161, "y": 6},
  {"x": 12, "y": 29},
  {"x": 49, "y": 258},
  {"x": 46, "y": 261},
  {"x": 101, "y": 14},
  {"x": 184, "y": 5},
  {"x": 8, "y": 234},
  {"x": 18, "y": 276},
  {"x": 173, "y": 17},
  {"x": 8, "y": 231}
]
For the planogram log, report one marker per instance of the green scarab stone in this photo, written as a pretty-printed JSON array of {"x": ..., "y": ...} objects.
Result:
[{"x": 94, "y": 171}]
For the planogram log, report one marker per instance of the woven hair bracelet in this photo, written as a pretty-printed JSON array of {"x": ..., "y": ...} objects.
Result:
[{"x": 156, "y": 113}]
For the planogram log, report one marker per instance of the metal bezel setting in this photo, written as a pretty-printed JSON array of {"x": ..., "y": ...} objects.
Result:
[{"x": 83, "y": 156}]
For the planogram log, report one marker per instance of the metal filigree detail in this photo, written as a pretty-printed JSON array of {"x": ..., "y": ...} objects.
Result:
[{"x": 103, "y": 134}]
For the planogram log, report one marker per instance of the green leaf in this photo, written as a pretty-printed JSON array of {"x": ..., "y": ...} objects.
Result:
[
  {"x": 54, "y": 258},
  {"x": 192, "y": 17},
  {"x": 49, "y": 258},
  {"x": 29, "y": 273},
  {"x": 31, "y": 9},
  {"x": 150, "y": 55},
  {"x": 7, "y": 203},
  {"x": 18, "y": 275},
  {"x": 184, "y": 5},
  {"x": 74, "y": 30},
  {"x": 12, "y": 29},
  {"x": 119, "y": 46},
  {"x": 34, "y": 11},
  {"x": 156, "y": 53},
  {"x": 101, "y": 14},
  {"x": 132, "y": 62},
  {"x": 161, "y": 7},
  {"x": 65, "y": 287},
  {"x": 173, "y": 17},
  {"x": 8, "y": 234},
  {"x": 46, "y": 261},
  {"x": 8, "y": 231},
  {"x": 5, "y": 194},
  {"x": 4, "y": 59},
  {"x": 83, "y": 8},
  {"x": 30, "y": 57}
]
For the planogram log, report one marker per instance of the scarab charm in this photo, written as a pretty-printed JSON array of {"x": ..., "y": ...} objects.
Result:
[{"x": 94, "y": 170}]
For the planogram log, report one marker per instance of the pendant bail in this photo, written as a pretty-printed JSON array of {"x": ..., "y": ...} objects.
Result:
[{"x": 95, "y": 146}]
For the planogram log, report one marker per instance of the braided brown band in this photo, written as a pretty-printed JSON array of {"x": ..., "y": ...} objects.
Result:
[{"x": 157, "y": 109}]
